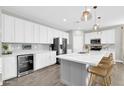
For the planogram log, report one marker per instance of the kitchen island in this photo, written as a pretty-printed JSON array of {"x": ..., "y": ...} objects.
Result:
[{"x": 73, "y": 67}]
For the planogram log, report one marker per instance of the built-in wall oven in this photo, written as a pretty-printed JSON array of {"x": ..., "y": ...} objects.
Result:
[{"x": 24, "y": 64}]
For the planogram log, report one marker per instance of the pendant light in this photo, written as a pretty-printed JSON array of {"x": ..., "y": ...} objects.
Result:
[
  {"x": 86, "y": 15},
  {"x": 96, "y": 25}
]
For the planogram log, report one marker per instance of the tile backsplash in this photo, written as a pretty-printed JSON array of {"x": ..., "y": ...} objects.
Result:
[{"x": 18, "y": 47}]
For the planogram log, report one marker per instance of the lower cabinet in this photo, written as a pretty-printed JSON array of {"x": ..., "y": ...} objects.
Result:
[
  {"x": 9, "y": 67},
  {"x": 39, "y": 61},
  {"x": 44, "y": 59},
  {"x": 9, "y": 63}
]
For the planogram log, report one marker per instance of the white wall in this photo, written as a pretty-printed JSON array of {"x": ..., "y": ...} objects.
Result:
[
  {"x": 76, "y": 40},
  {"x": 123, "y": 44},
  {"x": 118, "y": 45}
]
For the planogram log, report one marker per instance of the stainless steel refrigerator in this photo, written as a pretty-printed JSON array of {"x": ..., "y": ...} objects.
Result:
[{"x": 60, "y": 46}]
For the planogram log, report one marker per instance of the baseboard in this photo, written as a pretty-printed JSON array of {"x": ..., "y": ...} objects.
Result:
[
  {"x": 119, "y": 61},
  {"x": 1, "y": 83}
]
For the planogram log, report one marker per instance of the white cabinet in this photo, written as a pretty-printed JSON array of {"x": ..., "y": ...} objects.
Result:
[
  {"x": 28, "y": 32},
  {"x": 50, "y": 58},
  {"x": 50, "y": 35},
  {"x": 43, "y": 34},
  {"x": 19, "y": 30},
  {"x": 36, "y": 33},
  {"x": 87, "y": 38},
  {"x": 92, "y": 35},
  {"x": 53, "y": 57},
  {"x": 108, "y": 37},
  {"x": 67, "y": 37},
  {"x": 7, "y": 28},
  {"x": 9, "y": 68},
  {"x": 39, "y": 61},
  {"x": 56, "y": 33},
  {"x": 44, "y": 59}
]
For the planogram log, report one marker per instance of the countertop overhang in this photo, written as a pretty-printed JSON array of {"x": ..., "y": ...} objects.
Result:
[{"x": 91, "y": 58}]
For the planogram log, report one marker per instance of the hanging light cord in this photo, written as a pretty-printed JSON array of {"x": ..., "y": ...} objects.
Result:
[{"x": 95, "y": 13}]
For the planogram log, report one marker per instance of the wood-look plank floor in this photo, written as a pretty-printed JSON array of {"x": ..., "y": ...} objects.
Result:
[{"x": 50, "y": 76}]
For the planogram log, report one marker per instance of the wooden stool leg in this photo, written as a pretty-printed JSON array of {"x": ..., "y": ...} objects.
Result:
[
  {"x": 105, "y": 81},
  {"x": 110, "y": 80},
  {"x": 91, "y": 76},
  {"x": 94, "y": 80}
]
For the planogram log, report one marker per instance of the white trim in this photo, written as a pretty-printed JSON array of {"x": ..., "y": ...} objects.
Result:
[{"x": 119, "y": 61}]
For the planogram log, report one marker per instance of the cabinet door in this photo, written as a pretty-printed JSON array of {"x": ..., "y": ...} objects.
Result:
[
  {"x": 19, "y": 30},
  {"x": 40, "y": 61},
  {"x": 87, "y": 38},
  {"x": 67, "y": 37},
  {"x": 56, "y": 33},
  {"x": 111, "y": 36},
  {"x": 28, "y": 32},
  {"x": 36, "y": 33},
  {"x": 37, "y": 64},
  {"x": 9, "y": 67},
  {"x": 108, "y": 37},
  {"x": 47, "y": 59},
  {"x": 43, "y": 34},
  {"x": 52, "y": 58},
  {"x": 7, "y": 28},
  {"x": 104, "y": 37},
  {"x": 50, "y": 35}
]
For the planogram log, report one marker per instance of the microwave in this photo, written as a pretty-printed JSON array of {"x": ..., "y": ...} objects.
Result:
[{"x": 95, "y": 41}]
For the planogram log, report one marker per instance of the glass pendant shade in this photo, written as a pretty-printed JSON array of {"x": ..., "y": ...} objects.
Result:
[
  {"x": 95, "y": 27},
  {"x": 86, "y": 15}
]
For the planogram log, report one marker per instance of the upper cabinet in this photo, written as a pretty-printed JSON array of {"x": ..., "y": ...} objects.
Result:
[
  {"x": 17, "y": 30},
  {"x": 36, "y": 33},
  {"x": 29, "y": 28},
  {"x": 7, "y": 28},
  {"x": 43, "y": 34},
  {"x": 107, "y": 36},
  {"x": 50, "y": 35},
  {"x": 92, "y": 35}
]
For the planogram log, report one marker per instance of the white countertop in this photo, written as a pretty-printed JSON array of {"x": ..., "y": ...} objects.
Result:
[{"x": 91, "y": 58}]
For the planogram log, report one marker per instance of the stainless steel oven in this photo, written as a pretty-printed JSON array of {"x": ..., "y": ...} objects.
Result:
[
  {"x": 95, "y": 44},
  {"x": 25, "y": 64}
]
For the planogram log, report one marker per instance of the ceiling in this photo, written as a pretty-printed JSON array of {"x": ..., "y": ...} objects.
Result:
[{"x": 53, "y": 16}]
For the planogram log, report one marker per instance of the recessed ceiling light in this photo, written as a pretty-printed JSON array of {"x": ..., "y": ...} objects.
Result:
[{"x": 64, "y": 19}]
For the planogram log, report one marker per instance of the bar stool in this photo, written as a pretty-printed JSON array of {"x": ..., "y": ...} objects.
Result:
[
  {"x": 106, "y": 63},
  {"x": 107, "y": 60},
  {"x": 103, "y": 70}
]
